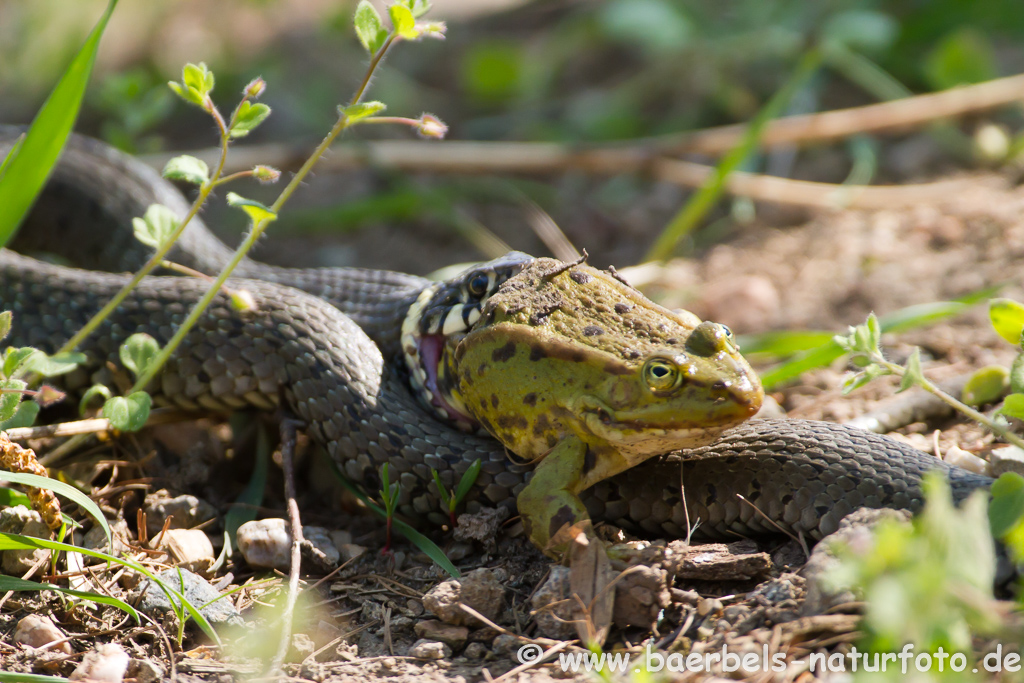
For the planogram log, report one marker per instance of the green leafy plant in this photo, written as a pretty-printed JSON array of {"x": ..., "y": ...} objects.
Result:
[
  {"x": 451, "y": 500},
  {"x": 863, "y": 345},
  {"x": 389, "y": 494},
  {"x": 927, "y": 583}
]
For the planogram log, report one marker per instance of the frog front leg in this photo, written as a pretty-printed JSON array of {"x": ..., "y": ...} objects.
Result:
[{"x": 551, "y": 500}]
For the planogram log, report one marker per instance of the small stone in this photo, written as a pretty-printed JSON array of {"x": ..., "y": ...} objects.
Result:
[
  {"x": 106, "y": 664},
  {"x": 185, "y": 511},
  {"x": 709, "y": 606},
  {"x": 1005, "y": 459},
  {"x": 475, "y": 651},
  {"x": 96, "y": 539},
  {"x": 38, "y": 631},
  {"x": 350, "y": 551},
  {"x": 481, "y": 526},
  {"x": 965, "y": 459},
  {"x": 20, "y": 520},
  {"x": 320, "y": 538},
  {"x": 340, "y": 537},
  {"x": 429, "y": 649},
  {"x": 640, "y": 596},
  {"x": 265, "y": 543},
  {"x": 211, "y": 604},
  {"x": 190, "y": 548},
  {"x": 301, "y": 647},
  {"x": 432, "y": 629},
  {"x": 415, "y": 607},
  {"x": 480, "y": 589},
  {"x": 506, "y": 644},
  {"x": 551, "y": 607},
  {"x": 145, "y": 671}
]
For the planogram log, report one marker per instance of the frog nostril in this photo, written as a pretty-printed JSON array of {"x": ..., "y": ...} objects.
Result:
[{"x": 604, "y": 417}]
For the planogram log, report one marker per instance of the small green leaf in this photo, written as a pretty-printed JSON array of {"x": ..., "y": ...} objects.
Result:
[
  {"x": 369, "y": 28},
  {"x": 467, "y": 480},
  {"x": 248, "y": 117},
  {"x": 912, "y": 375},
  {"x": 57, "y": 364},
  {"x": 24, "y": 416},
  {"x": 128, "y": 413},
  {"x": 418, "y": 7},
  {"x": 363, "y": 110},
  {"x": 257, "y": 212},
  {"x": 197, "y": 77},
  {"x": 155, "y": 228},
  {"x": 1007, "y": 318},
  {"x": 26, "y": 171},
  {"x": 91, "y": 393},
  {"x": 187, "y": 169},
  {"x": 1006, "y": 507},
  {"x": 137, "y": 353},
  {"x": 1013, "y": 406},
  {"x": 403, "y": 21},
  {"x": 1017, "y": 374},
  {"x": 964, "y": 56},
  {"x": 15, "y": 359},
  {"x": 442, "y": 492},
  {"x": 856, "y": 381},
  {"x": 5, "y": 324},
  {"x": 10, "y": 397},
  {"x": 863, "y": 30},
  {"x": 985, "y": 386}
]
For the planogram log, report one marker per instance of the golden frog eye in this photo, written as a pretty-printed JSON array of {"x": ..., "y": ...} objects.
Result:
[{"x": 661, "y": 375}]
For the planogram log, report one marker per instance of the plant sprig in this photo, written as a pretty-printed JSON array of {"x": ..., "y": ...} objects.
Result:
[
  {"x": 863, "y": 343},
  {"x": 451, "y": 500}
]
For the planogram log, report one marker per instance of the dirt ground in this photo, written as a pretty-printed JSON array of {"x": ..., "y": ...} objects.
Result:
[{"x": 367, "y": 620}]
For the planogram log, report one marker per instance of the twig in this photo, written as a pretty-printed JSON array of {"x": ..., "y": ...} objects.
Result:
[
  {"x": 94, "y": 425},
  {"x": 635, "y": 155},
  {"x": 288, "y": 428}
]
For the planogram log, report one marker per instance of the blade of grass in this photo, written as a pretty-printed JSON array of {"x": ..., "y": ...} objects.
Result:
[
  {"x": 6, "y": 677},
  {"x": 11, "y": 583},
  {"x": 26, "y": 172},
  {"x": 17, "y": 542},
  {"x": 67, "y": 490},
  {"x": 415, "y": 537},
  {"x": 700, "y": 203},
  {"x": 904, "y": 319}
]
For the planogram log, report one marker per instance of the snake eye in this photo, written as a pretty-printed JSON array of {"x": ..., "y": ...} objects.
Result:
[
  {"x": 478, "y": 284},
  {"x": 661, "y": 375}
]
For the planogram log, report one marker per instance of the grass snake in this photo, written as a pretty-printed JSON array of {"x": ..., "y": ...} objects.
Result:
[{"x": 327, "y": 342}]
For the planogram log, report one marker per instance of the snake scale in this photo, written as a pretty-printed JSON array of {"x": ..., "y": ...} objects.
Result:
[{"x": 331, "y": 353}]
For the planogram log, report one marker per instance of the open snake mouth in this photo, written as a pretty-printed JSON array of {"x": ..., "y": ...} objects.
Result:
[{"x": 430, "y": 347}]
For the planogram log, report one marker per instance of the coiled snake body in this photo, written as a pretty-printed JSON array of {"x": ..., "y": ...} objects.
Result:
[{"x": 333, "y": 353}]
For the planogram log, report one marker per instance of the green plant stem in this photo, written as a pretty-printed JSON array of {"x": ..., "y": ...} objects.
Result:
[
  {"x": 158, "y": 257},
  {"x": 952, "y": 402},
  {"x": 700, "y": 203},
  {"x": 258, "y": 226}
]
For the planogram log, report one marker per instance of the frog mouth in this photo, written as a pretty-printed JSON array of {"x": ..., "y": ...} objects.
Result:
[{"x": 431, "y": 346}]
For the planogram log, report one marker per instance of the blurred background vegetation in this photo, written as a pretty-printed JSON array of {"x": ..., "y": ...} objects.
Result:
[{"x": 565, "y": 71}]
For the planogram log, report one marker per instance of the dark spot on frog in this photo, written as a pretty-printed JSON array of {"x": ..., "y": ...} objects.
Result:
[
  {"x": 487, "y": 424},
  {"x": 622, "y": 308},
  {"x": 505, "y": 353},
  {"x": 481, "y": 370},
  {"x": 671, "y": 340},
  {"x": 530, "y": 399},
  {"x": 562, "y": 517},
  {"x": 579, "y": 277},
  {"x": 552, "y": 440},
  {"x": 541, "y": 425},
  {"x": 537, "y": 352},
  {"x": 483, "y": 403},
  {"x": 494, "y": 400},
  {"x": 592, "y": 331},
  {"x": 631, "y": 354},
  {"x": 512, "y": 422},
  {"x": 589, "y": 460}
]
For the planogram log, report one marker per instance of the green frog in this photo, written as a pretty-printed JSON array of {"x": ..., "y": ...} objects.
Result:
[{"x": 572, "y": 368}]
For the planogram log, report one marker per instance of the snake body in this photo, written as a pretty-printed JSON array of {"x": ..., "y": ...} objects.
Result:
[{"x": 327, "y": 343}]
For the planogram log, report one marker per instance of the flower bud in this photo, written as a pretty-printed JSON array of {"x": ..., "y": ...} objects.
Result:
[
  {"x": 265, "y": 174},
  {"x": 431, "y": 127},
  {"x": 255, "y": 88}
]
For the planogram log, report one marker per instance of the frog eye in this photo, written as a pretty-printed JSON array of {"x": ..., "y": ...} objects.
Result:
[
  {"x": 478, "y": 284},
  {"x": 661, "y": 375},
  {"x": 725, "y": 328}
]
